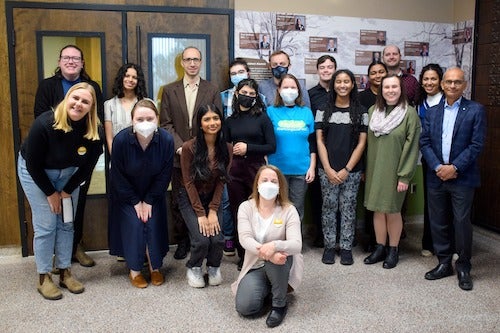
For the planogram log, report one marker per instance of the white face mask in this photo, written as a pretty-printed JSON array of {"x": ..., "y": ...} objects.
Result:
[
  {"x": 268, "y": 190},
  {"x": 289, "y": 95},
  {"x": 145, "y": 128}
]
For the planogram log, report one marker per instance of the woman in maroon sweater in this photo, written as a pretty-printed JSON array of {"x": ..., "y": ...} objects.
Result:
[{"x": 205, "y": 162}]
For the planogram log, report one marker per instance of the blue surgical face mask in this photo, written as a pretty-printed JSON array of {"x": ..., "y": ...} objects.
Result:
[
  {"x": 279, "y": 71},
  {"x": 237, "y": 78}
]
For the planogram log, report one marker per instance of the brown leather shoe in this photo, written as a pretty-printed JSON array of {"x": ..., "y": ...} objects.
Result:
[
  {"x": 157, "y": 278},
  {"x": 139, "y": 281}
]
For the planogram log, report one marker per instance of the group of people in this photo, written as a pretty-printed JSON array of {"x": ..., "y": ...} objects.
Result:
[{"x": 240, "y": 162}]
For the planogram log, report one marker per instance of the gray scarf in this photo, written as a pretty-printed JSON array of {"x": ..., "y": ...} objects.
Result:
[{"x": 382, "y": 124}]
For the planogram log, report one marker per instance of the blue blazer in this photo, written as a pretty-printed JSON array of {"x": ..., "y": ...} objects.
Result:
[{"x": 469, "y": 134}]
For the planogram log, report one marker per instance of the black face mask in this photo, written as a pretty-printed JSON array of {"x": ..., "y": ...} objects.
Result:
[{"x": 246, "y": 101}]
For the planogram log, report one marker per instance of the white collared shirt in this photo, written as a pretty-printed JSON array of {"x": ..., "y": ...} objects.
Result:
[{"x": 449, "y": 118}]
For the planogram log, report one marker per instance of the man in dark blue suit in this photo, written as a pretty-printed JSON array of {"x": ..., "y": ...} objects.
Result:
[{"x": 452, "y": 138}]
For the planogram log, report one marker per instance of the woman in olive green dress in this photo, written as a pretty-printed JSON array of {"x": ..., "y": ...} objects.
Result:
[{"x": 393, "y": 132}]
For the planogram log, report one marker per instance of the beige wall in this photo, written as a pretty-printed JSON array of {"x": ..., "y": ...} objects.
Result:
[
  {"x": 447, "y": 11},
  {"x": 463, "y": 10}
]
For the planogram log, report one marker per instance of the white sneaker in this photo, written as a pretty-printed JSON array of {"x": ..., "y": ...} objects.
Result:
[
  {"x": 195, "y": 277},
  {"x": 426, "y": 253},
  {"x": 214, "y": 276}
]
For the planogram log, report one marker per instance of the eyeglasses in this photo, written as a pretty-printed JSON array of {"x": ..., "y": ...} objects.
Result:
[
  {"x": 455, "y": 82},
  {"x": 68, "y": 58},
  {"x": 194, "y": 60}
]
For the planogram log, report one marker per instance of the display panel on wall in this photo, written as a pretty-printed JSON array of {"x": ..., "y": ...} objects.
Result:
[{"x": 354, "y": 42}]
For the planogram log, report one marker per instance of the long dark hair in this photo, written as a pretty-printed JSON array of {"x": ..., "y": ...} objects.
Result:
[
  {"x": 83, "y": 73},
  {"x": 429, "y": 67},
  {"x": 140, "y": 88},
  {"x": 200, "y": 170},
  {"x": 355, "y": 107},
  {"x": 380, "y": 102},
  {"x": 258, "y": 107}
]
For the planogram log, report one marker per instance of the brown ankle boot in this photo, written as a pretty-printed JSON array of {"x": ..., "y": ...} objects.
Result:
[
  {"x": 83, "y": 257},
  {"x": 47, "y": 288},
  {"x": 66, "y": 280}
]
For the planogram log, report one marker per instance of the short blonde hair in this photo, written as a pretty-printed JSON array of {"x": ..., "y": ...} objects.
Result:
[
  {"x": 282, "y": 197},
  {"x": 61, "y": 113}
]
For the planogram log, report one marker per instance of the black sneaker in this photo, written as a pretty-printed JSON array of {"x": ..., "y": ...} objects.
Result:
[
  {"x": 346, "y": 257},
  {"x": 229, "y": 248},
  {"x": 328, "y": 256}
]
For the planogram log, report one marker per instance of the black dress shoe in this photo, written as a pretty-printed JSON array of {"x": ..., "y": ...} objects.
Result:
[
  {"x": 276, "y": 316},
  {"x": 464, "y": 280},
  {"x": 439, "y": 272}
]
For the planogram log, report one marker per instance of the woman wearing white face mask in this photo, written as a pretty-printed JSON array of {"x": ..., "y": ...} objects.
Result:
[
  {"x": 128, "y": 88},
  {"x": 293, "y": 125},
  {"x": 269, "y": 230},
  {"x": 141, "y": 168}
]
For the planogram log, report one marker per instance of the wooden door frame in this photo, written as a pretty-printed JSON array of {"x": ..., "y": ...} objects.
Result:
[{"x": 10, "y": 6}]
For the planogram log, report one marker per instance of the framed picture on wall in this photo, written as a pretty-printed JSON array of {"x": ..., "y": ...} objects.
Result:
[
  {"x": 323, "y": 44},
  {"x": 372, "y": 37}
]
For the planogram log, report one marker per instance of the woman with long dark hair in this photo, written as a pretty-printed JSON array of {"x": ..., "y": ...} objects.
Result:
[
  {"x": 251, "y": 132},
  {"x": 205, "y": 162},
  {"x": 128, "y": 88},
  {"x": 431, "y": 94},
  {"x": 341, "y": 139}
]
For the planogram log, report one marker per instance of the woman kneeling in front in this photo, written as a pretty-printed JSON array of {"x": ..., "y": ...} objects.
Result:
[{"x": 269, "y": 231}]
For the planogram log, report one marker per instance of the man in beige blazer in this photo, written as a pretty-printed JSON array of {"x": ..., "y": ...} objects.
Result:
[{"x": 180, "y": 101}]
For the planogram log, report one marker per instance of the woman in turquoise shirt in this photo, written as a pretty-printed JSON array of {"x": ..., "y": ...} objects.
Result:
[{"x": 295, "y": 152}]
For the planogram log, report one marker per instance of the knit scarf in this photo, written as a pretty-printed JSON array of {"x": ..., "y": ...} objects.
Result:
[{"x": 382, "y": 124}]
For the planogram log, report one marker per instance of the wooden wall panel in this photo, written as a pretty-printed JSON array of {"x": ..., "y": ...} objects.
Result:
[
  {"x": 9, "y": 217},
  {"x": 172, "y": 23},
  {"x": 487, "y": 92}
]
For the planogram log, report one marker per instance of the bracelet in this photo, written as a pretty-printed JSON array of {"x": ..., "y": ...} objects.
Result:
[{"x": 347, "y": 169}]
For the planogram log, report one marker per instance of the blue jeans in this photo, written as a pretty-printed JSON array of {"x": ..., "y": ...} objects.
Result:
[
  {"x": 297, "y": 188},
  {"x": 227, "y": 225},
  {"x": 52, "y": 235}
]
